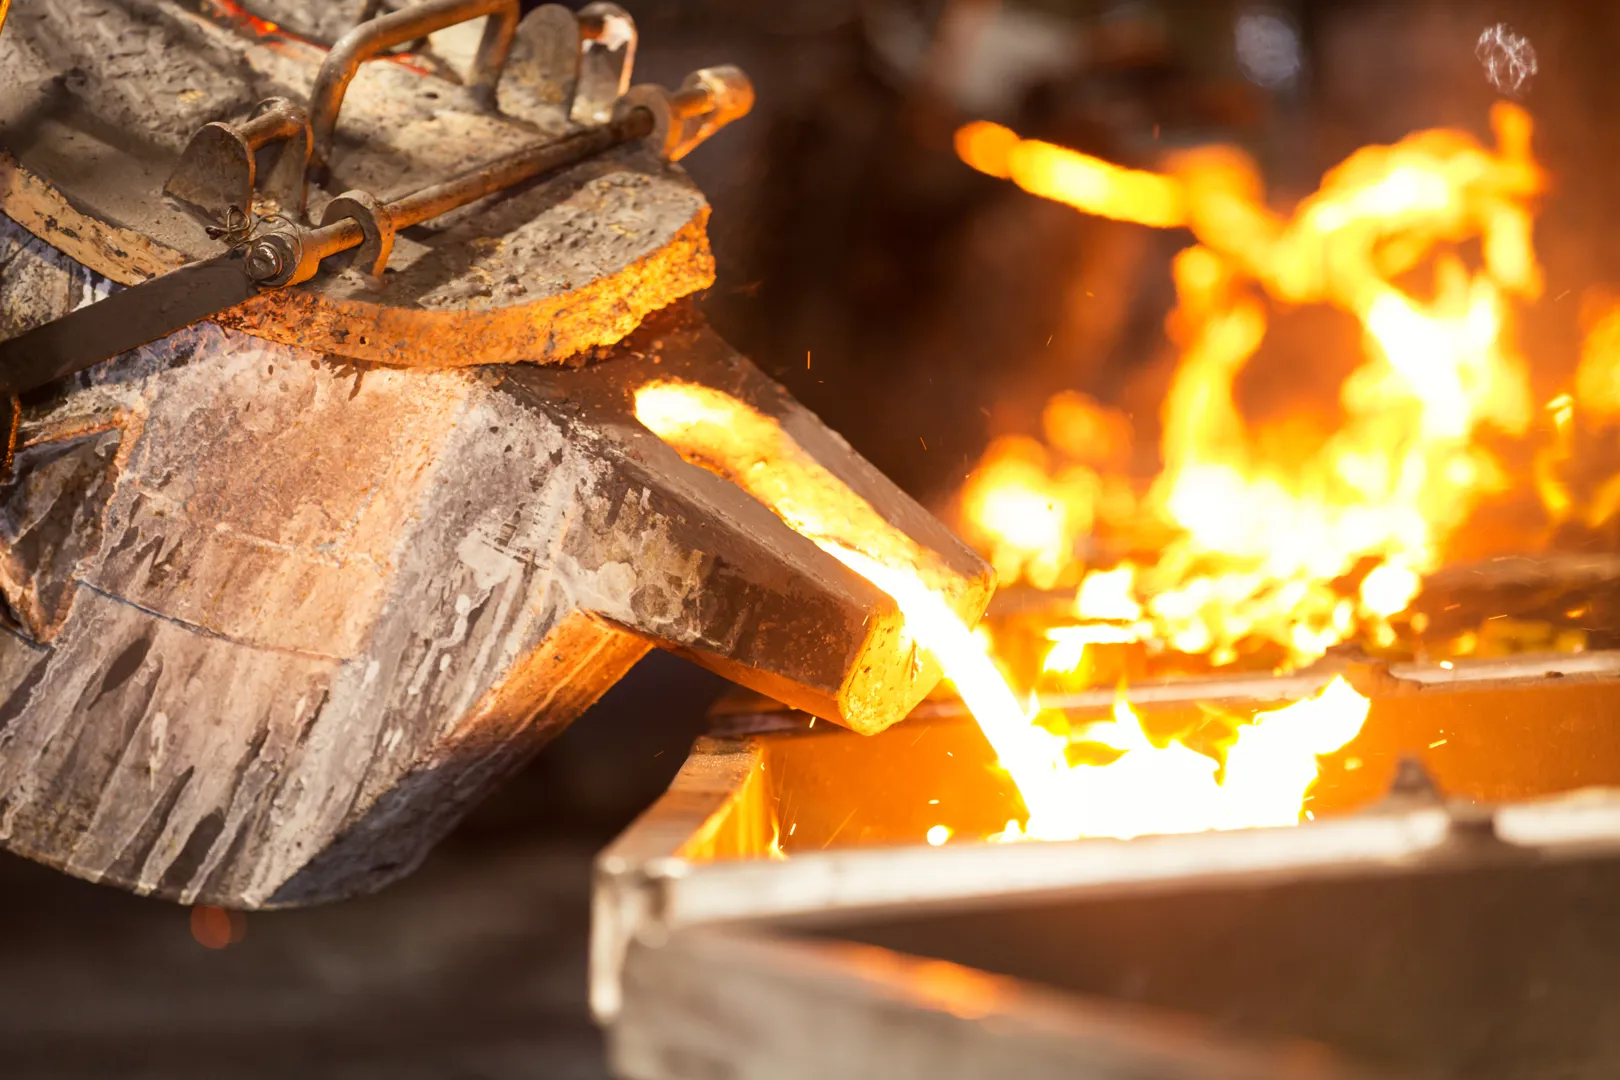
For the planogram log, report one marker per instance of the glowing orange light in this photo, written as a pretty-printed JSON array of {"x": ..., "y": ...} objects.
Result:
[
  {"x": 1148, "y": 789},
  {"x": 1254, "y": 542},
  {"x": 1597, "y": 379},
  {"x": 1084, "y": 182}
]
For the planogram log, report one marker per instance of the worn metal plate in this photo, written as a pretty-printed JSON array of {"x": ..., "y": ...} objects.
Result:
[{"x": 102, "y": 95}]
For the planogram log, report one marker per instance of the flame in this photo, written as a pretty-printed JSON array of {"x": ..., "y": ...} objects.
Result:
[
  {"x": 1256, "y": 535},
  {"x": 1084, "y": 182},
  {"x": 1149, "y": 788},
  {"x": 1106, "y": 594},
  {"x": 1028, "y": 517},
  {"x": 1269, "y": 768},
  {"x": 1597, "y": 379},
  {"x": 234, "y": 11}
]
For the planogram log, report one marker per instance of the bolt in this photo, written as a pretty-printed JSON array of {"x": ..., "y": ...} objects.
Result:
[{"x": 265, "y": 260}]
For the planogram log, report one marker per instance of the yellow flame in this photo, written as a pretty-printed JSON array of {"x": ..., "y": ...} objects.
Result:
[
  {"x": 1070, "y": 642},
  {"x": 1597, "y": 378},
  {"x": 1029, "y": 517},
  {"x": 1084, "y": 182},
  {"x": 1260, "y": 536},
  {"x": 1148, "y": 789},
  {"x": 1106, "y": 594}
]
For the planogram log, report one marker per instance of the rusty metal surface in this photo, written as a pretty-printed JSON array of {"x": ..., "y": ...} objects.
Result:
[
  {"x": 562, "y": 265},
  {"x": 356, "y": 220},
  {"x": 755, "y": 1006},
  {"x": 144, "y": 72},
  {"x": 219, "y": 169},
  {"x": 281, "y": 618},
  {"x": 126, "y": 319}
]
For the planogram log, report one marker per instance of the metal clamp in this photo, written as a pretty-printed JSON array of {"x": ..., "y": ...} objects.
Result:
[
  {"x": 581, "y": 63},
  {"x": 376, "y": 225},
  {"x": 283, "y": 256},
  {"x": 219, "y": 168},
  {"x": 607, "y": 55},
  {"x": 370, "y": 39},
  {"x": 707, "y": 101}
]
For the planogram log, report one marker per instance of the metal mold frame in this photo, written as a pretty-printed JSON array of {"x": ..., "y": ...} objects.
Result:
[{"x": 678, "y": 892}]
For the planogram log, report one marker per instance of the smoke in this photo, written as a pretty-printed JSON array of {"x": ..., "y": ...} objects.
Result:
[{"x": 1268, "y": 48}]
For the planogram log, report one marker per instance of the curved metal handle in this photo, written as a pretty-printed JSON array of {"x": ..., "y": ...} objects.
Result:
[{"x": 371, "y": 38}]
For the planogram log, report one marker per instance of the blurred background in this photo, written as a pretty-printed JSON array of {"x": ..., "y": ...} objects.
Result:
[{"x": 921, "y": 308}]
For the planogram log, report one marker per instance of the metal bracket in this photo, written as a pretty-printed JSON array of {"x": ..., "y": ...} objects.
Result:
[
  {"x": 219, "y": 167},
  {"x": 707, "y": 101},
  {"x": 547, "y": 59},
  {"x": 375, "y": 222},
  {"x": 607, "y": 55},
  {"x": 580, "y": 63}
]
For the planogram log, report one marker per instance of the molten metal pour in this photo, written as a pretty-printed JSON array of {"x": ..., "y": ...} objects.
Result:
[
  {"x": 1257, "y": 547},
  {"x": 1148, "y": 789}
]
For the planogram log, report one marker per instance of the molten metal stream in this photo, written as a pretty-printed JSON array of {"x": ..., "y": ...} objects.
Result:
[
  {"x": 1285, "y": 538},
  {"x": 1148, "y": 788}
]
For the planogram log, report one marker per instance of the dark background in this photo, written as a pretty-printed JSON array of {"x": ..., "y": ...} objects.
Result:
[{"x": 920, "y": 308}]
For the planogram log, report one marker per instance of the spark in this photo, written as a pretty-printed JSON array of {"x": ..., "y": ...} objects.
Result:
[{"x": 1508, "y": 58}]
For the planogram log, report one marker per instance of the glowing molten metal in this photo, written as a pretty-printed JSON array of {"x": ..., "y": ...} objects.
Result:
[
  {"x": 1147, "y": 788},
  {"x": 1256, "y": 533}
]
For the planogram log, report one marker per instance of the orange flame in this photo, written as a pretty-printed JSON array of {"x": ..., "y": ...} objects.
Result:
[
  {"x": 1084, "y": 182},
  {"x": 1597, "y": 379},
  {"x": 1257, "y": 540},
  {"x": 1148, "y": 789},
  {"x": 236, "y": 12}
]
